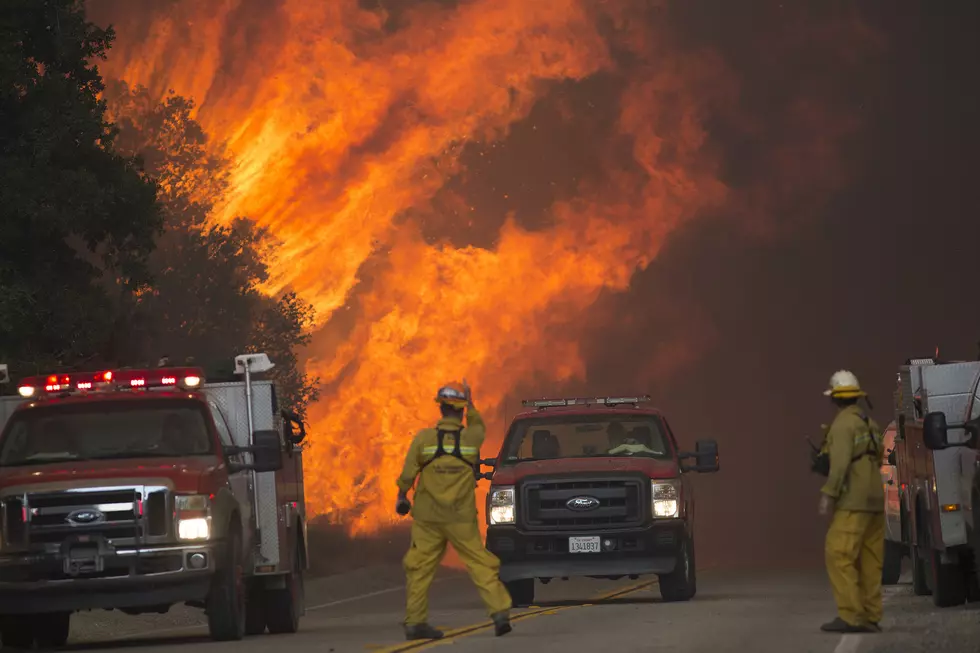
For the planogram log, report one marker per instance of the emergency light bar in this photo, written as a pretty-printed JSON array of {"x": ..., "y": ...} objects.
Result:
[
  {"x": 584, "y": 401},
  {"x": 177, "y": 377}
]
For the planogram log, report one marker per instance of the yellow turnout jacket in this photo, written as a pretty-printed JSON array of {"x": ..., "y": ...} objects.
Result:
[
  {"x": 446, "y": 490},
  {"x": 856, "y": 451}
]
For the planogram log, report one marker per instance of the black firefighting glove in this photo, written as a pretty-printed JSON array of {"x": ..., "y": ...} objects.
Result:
[{"x": 403, "y": 506}]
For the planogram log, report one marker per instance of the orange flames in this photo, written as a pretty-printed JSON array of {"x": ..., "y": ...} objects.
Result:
[{"x": 342, "y": 120}]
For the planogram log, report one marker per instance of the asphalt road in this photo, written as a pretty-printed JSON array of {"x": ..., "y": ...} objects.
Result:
[{"x": 739, "y": 612}]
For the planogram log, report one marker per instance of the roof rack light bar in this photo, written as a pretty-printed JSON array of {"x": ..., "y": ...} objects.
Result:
[{"x": 584, "y": 401}]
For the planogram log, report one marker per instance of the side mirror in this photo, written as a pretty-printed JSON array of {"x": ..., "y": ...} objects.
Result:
[
  {"x": 706, "y": 455},
  {"x": 267, "y": 451},
  {"x": 290, "y": 418},
  {"x": 935, "y": 432}
]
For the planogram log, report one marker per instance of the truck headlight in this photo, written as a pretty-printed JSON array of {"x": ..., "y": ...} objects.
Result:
[
  {"x": 192, "y": 502},
  {"x": 196, "y": 528},
  {"x": 502, "y": 508},
  {"x": 665, "y": 499}
]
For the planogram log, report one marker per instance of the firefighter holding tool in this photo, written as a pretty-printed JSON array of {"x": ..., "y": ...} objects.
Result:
[
  {"x": 851, "y": 457},
  {"x": 444, "y": 460}
]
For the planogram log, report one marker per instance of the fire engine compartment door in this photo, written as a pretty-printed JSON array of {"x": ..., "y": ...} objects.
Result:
[
  {"x": 949, "y": 388},
  {"x": 230, "y": 397}
]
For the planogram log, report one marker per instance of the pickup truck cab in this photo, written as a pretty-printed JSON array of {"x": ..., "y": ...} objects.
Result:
[
  {"x": 135, "y": 490},
  {"x": 594, "y": 487}
]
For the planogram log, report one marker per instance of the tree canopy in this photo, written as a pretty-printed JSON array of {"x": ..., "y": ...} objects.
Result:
[
  {"x": 109, "y": 251},
  {"x": 79, "y": 219}
]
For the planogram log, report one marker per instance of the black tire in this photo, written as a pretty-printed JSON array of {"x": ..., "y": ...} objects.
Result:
[
  {"x": 255, "y": 609},
  {"x": 17, "y": 631},
  {"x": 681, "y": 584},
  {"x": 891, "y": 568},
  {"x": 51, "y": 630},
  {"x": 920, "y": 574},
  {"x": 521, "y": 592},
  {"x": 226, "y": 603},
  {"x": 284, "y": 607},
  {"x": 948, "y": 582}
]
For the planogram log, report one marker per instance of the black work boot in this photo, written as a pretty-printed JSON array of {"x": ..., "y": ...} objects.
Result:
[
  {"x": 501, "y": 623},
  {"x": 874, "y": 627},
  {"x": 838, "y": 625},
  {"x": 422, "y": 631}
]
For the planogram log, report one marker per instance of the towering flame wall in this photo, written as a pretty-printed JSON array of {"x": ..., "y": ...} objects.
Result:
[{"x": 346, "y": 120}]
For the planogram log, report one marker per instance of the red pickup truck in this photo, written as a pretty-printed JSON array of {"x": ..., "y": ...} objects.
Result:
[{"x": 594, "y": 487}]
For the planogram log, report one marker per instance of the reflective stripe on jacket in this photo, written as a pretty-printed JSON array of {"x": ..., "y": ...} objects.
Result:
[{"x": 446, "y": 489}]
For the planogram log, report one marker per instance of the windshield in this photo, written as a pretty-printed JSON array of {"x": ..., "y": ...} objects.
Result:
[
  {"x": 586, "y": 436},
  {"x": 105, "y": 430}
]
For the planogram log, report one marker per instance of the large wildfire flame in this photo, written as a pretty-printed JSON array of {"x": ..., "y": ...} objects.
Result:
[{"x": 343, "y": 119}]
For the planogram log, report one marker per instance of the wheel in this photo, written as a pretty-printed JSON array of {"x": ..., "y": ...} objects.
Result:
[
  {"x": 51, "y": 630},
  {"x": 255, "y": 609},
  {"x": 284, "y": 607},
  {"x": 680, "y": 584},
  {"x": 226, "y": 600},
  {"x": 521, "y": 592},
  {"x": 920, "y": 574},
  {"x": 17, "y": 631},
  {"x": 948, "y": 582},
  {"x": 891, "y": 569}
]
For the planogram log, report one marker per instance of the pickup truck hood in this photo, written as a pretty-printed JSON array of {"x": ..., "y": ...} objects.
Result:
[
  {"x": 651, "y": 467},
  {"x": 188, "y": 475}
]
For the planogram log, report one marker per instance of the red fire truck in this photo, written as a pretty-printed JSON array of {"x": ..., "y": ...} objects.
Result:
[{"x": 139, "y": 489}]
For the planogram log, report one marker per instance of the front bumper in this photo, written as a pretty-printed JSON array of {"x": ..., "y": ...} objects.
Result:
[
  {"x": 115, "y": 578},
  {"x": 651, "y": 549}
]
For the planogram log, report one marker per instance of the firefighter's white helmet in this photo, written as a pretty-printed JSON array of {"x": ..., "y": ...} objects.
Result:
[{"x": 844, "y": 385}]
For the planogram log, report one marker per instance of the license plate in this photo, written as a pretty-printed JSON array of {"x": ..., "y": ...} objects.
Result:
[{"x": 584, "y": 545}]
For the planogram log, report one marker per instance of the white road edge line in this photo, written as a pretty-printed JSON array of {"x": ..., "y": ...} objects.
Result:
[
  {"x": 848, "y": 644},
  {"x": 321, "y": 606}
]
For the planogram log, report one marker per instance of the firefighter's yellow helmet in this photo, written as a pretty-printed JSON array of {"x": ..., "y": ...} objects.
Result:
[
  {"x": 844, "y": 385},
  {"x": 453, "y": 394}
]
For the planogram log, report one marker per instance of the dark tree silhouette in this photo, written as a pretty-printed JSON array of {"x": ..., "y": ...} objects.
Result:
[{"x": 78, "y": 219}]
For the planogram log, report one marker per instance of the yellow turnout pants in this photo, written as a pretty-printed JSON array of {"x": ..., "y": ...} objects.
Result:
[
  {"x": 855, "y": 549},
  {"x": 426, "y": 552}
]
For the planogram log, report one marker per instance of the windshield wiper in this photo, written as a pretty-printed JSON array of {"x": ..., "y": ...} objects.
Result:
[{"x": 27, "y": 462}]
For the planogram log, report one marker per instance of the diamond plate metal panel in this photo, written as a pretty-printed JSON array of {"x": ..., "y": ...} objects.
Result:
[{"x": 230, "y": 398}]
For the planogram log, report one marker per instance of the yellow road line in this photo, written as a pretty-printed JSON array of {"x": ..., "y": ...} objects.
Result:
[{"x": 466, "y": 631}]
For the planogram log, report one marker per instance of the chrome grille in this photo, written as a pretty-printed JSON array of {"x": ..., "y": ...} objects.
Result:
[
  {"x": 621, "y": 503},
  {"x": 121, "y": 515}
]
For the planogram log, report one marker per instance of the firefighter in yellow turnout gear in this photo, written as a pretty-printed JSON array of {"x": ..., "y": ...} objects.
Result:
[
  {"x": 445, "y": 460},
  {"x": 853, "y": 492}
]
